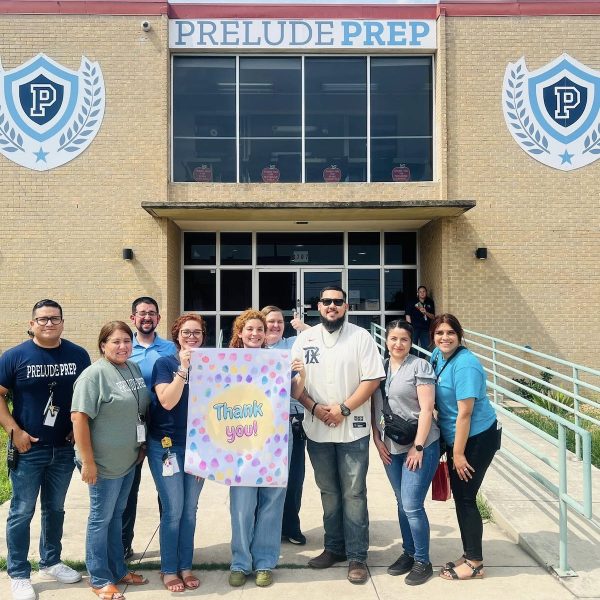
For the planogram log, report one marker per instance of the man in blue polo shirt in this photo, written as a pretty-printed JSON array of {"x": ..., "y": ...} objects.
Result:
[
  {"x": 40, "y": 373},
  {"x": 148, "y": 347}
]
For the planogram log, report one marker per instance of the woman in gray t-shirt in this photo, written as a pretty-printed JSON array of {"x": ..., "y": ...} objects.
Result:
[{"x": 410, "y": 391}]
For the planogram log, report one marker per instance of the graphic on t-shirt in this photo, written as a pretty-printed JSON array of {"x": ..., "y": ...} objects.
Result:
[{"x": 311, "y": 355}]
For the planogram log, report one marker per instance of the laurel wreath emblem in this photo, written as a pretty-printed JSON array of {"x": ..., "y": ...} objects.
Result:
[
  {"x": 10, "y": 140},
  {"x": 592, "y": 142},
  {"x": 525, "y": 128},
  {"x": 80, "y": 130}
]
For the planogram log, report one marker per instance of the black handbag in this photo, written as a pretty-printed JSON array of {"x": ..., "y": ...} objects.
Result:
[{"x": 396, "y": 428}]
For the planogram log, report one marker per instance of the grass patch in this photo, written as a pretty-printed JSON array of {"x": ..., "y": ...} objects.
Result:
[
  {"x": 5, "y": 488},
  {"x": 545, "y": 424},
  {"x": 484, "y": 509}
]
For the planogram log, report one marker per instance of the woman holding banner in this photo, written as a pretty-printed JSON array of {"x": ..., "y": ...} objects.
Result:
[
  {"x": 256, "y": 512},
  {"x": 178, "y": 491}
]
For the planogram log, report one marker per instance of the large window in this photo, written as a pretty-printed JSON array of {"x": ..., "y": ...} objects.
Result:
[{"x": 302, "y": 119}]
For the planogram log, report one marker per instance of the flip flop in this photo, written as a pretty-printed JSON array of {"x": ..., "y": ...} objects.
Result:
[
  {"x": 108, "y": 592},
  {"x": 450, "y": 574},
  {"x": 191, "y": 582},
  {"x": 174, "y": 586}
]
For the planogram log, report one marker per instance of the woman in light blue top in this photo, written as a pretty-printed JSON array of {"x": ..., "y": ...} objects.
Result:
[
  {"x": 469, "y": 428},
  {"x": 409, "y": 389}
]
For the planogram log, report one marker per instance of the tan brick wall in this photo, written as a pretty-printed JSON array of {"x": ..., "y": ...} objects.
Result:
[
  {"x": 64, "y": 229},
  {"x": 540, "y": 284}
]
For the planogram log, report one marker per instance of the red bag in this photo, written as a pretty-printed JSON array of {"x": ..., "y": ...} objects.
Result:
[{"x": 440, "y": 485}]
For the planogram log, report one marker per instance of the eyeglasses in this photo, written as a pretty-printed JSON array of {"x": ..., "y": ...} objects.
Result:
[
  {"x": 186, "y": 333},
  {"x": 328, "y": 301},
  {"x": 150, "y": 313},
  {"x": 44, "y": 320}
]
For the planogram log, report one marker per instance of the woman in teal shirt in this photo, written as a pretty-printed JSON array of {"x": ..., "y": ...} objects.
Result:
[{"x": 469, "y": 428}]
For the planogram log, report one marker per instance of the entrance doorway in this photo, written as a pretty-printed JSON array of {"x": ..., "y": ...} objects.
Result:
[{"x": 295, "y": 289}]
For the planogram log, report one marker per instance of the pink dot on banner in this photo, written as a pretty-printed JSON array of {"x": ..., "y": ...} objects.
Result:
[
  {"x": 262, "y": 470},
  {"x": 214, "y": 462},
  {"x": 201, "y": 430},
  {"x": 202, "y": 465},
  {"x": 229, "y": 458},
  {"x": 279, "y": 380},
  {"x": 272, "y": 374},
  {"x": 248, "y": 456},
  {"x": 283, "y": 392},
  {"x": 248, "y": 357},
  {"x": 255, "y": 462},
  {"x": 228, "y": 482},
  {"x": 196, "y": 422},
  {"x": 269, "y": 479},
  {"x": 221, "y": 355},
  {"x": 205, "y": 359},
  {"x": 272, "y": 361},
  {"x": 233, "y": 356},
  {"x": 284, "y": 415},
  {"x": 264, "y": 369},
  {"x": 277, "y": 452},
  {"x": 272, "y": 466}
]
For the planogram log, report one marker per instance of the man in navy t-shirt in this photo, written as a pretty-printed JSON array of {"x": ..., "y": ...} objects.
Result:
[
  {"x": 40, "y": 374},
  {"x": 148, "y": 347}
]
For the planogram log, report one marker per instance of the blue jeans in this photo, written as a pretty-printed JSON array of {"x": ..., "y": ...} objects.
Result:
[
  {"x": 341, "y": 474},
  {"x": 178, "y": 495},
  {"x": 103, "y": 543},
  {"x": 46, "y": 470},
  {"x": 256, "y": 514},
  {"x": 293, "y": 497},
  {"x": 410, "y": 488}
]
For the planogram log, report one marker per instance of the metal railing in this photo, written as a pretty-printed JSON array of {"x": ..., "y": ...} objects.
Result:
[{"x": 500, "y": 363}]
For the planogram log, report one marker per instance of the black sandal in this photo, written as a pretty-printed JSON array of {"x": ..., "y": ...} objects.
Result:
[
  {"x": 476, "y": 572},
  {"x": 451, "y": 565}
]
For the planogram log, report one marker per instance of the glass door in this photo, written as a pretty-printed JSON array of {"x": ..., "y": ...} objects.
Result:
[{"x": 280, "y": 288}]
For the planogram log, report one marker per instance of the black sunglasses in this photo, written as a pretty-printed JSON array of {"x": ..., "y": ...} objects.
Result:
[{"x": 328, "y": 301}]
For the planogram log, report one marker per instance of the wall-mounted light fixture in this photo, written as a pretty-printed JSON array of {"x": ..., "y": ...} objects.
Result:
[
  {"x": 481, "y": 253},
  {"x": 127, "y": 254}
]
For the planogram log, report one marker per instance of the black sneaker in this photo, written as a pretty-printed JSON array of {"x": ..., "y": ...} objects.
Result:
[
  {"x": 402, "y": 565},
  {"x": 419, "y": 573},
  {"x": 298, "y": 538}
]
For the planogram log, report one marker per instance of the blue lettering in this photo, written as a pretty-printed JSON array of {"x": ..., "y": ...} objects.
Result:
[
  {"x": 247, "y": 35},
  {"x": 351, "y": 30},
  {"x": 184, "y": 29},
  {"x": 266, "y": 25},
  {"x": 209, "y": 34},
  {"x": 308, "y": 32},
  {"x": 230, "y": 29},
  {"x": 322, "y": 32},
  {"x": 419, "y": 30},
  {"x": 373, "y": 29},
  {"x": 397, "y": 33}
]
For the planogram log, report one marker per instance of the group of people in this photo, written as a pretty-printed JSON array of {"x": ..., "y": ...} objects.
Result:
[{"x": 133, "y": 401}]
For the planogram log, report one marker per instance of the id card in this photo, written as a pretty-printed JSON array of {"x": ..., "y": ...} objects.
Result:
[
  {"x": 170, "y": 466},
  {"x": 51, "y": 414},
  {"x": 141, "y": 433}
]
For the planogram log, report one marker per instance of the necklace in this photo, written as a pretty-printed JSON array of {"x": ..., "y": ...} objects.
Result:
[{"x": 336, "y": 340}]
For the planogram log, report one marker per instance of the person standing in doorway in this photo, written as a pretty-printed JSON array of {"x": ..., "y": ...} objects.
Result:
[
  {"x": 420, "y": 314},
  {"x": 148, "y": 347}
]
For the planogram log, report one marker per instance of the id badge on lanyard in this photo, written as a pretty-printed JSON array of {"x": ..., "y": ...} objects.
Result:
[
  {"x": 51, "y": 411},
  {"x": 170, "y": 465},
  {"x": 140, "y": 430}
]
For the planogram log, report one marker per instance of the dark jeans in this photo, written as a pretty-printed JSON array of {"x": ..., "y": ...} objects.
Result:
[
  {"x": 479, "y": 452},
  {"x": 421, "y": 339},
  {"x": 293, "y": 497},
  {"x": 131, "y": 509}
]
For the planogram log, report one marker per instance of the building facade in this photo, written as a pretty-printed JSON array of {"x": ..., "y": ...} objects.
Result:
[{"x": 249, "y": 153}]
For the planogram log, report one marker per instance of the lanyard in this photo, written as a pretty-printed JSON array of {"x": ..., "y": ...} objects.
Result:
[
  {"x": 134, "y": 390},
  {"x": 434, "y": 365}
]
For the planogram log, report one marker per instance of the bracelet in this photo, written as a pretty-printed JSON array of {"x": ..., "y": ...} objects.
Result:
[
  {"x": 312, "y": 412},
  {"x": 183, "y": 375}
]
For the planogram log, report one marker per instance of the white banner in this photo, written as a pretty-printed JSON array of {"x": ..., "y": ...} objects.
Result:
[
  {"x": 300, "y": 34},
  {"x": 238, "y": 416}
]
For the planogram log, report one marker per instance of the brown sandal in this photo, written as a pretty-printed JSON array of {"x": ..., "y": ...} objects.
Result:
[
  {"x": 476, "y": 572},
  {"x": 175, "y": 585},
  {"x": 133, "y": 579},
  {"x": 109, "y": 592},
  {"x": 191, "y": 582}
]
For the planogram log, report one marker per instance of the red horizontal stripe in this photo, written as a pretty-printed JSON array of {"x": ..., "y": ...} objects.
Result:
[{"x": 451, "y": 8}]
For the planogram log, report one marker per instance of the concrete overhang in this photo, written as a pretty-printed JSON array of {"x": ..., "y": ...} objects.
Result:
[{"x": 412, "y": 212}]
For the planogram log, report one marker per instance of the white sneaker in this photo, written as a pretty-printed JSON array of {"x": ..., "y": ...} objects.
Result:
[
  {"x": 62, "y": 573},
  {"x": 22, "y": 589}
]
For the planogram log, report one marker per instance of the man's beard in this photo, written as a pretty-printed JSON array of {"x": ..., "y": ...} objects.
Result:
[{"x": 332, "y": 326}]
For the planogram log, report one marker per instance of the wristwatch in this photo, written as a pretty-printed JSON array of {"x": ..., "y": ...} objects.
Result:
[
  {"x": 345, "y": 410},
  {"x": 419, "y": 448}
]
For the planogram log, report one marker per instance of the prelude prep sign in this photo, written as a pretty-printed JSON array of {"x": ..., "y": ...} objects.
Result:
[
  {"x": 238, "y": 416},
  {"x": 278, "y": 34}
]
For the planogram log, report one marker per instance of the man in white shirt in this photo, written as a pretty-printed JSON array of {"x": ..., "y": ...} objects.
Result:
[{"x": 343, "y": 368}]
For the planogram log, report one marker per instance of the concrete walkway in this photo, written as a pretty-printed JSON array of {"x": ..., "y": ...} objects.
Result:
[{"x": 510, "y": 571}]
